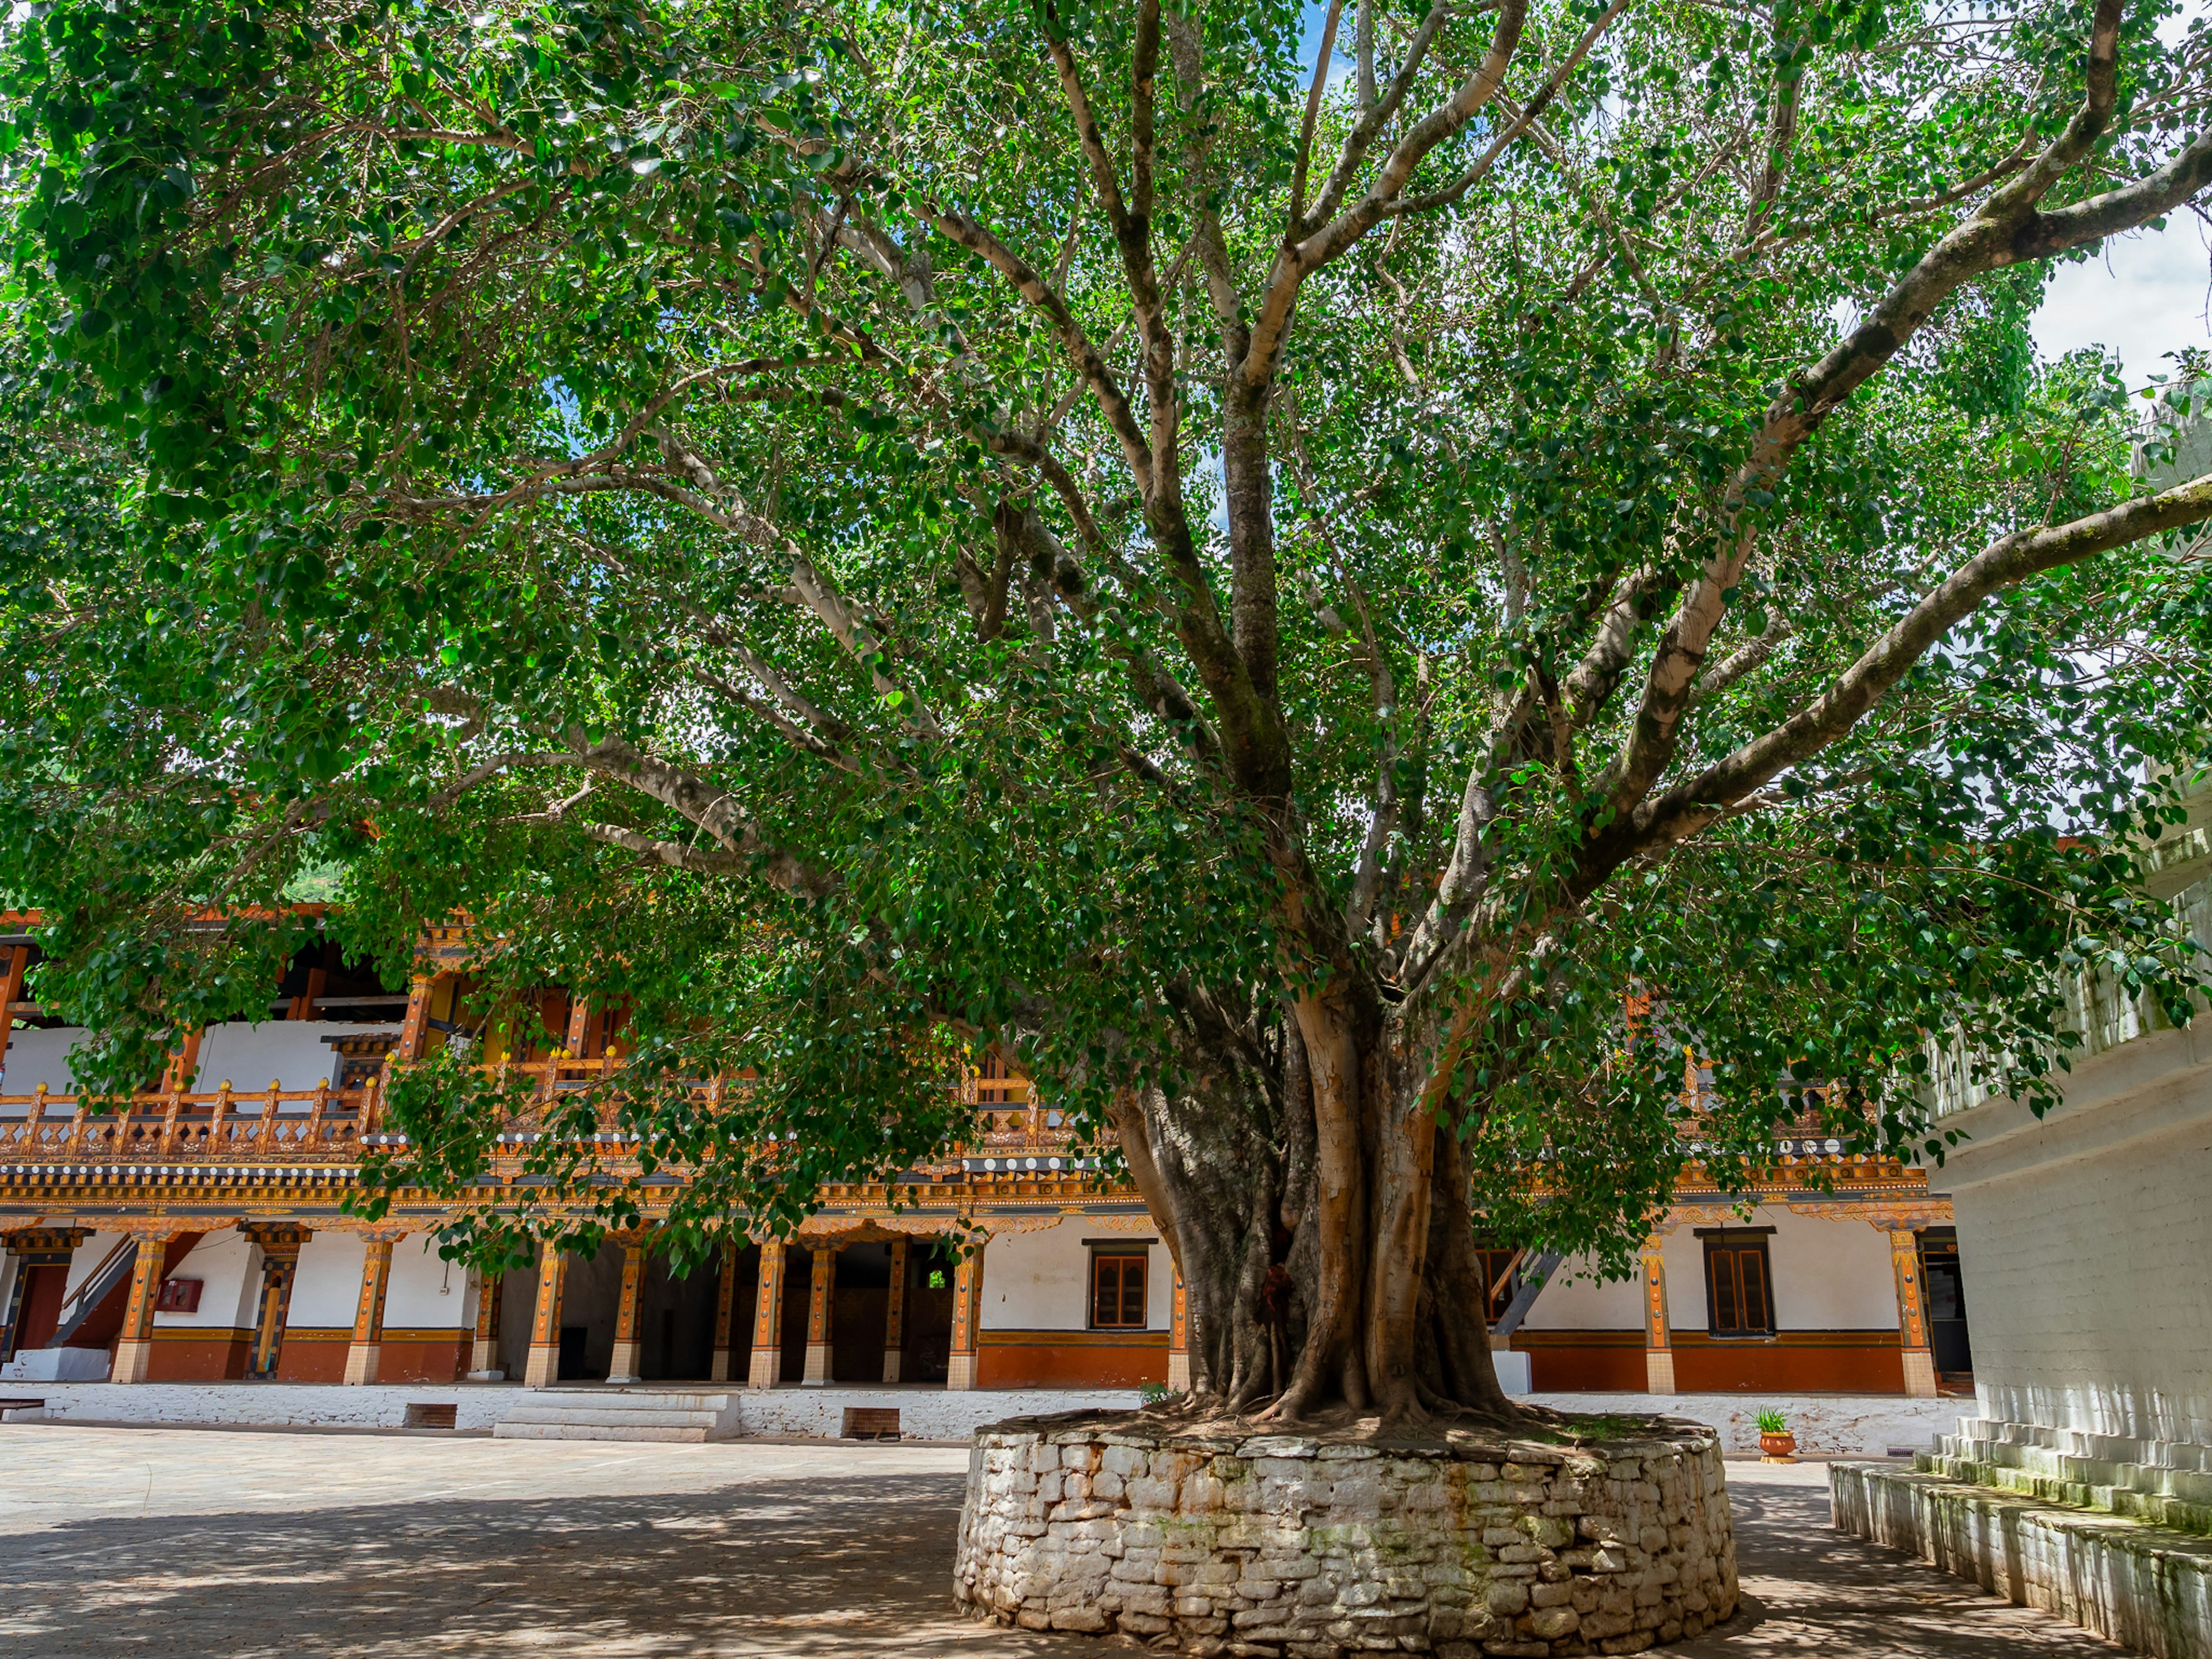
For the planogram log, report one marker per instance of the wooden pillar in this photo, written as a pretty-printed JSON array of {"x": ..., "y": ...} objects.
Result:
[
  {"x": 1911, "y": 1314},
  {"x": 766, "y": 1369},
  {"x": 483, "y": 1352},
  {"x": 415, "y": 1031},
  {"x": 366, "y": 1352},
  {"x": 725, "y": 1313},
  {"x": 134, "y": 1351},
  {"x": 1658, "y": 1335},
  {"x": 183, "y": 1064},
  {"x": 303, "y": 1005},
  {"x": 821, "y": 1319},
  {"x": 967, "y": 1317},
  {"x": 1179, "y": 1340},
  {"x": 15, "y": 964},
  {"x": 895, "y": 1312},
  {"x": 280, "y": 1243},
  {"x": 621, "y": 1365},
  {"x": 544, "y": 1369}
]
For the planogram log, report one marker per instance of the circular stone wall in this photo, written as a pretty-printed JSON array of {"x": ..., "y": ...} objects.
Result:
[{"x": 1306, "y": 1548}]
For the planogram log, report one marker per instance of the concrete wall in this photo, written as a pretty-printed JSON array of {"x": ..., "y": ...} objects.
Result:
[
  {"x": 90, "y": 1254},
  {"x": 1041, "y": 1281},
  {"x": 1828, "y": 1275},
  {"x": 227, "y": 1264},
  {"x": 39, "y": 1056},
  {"x": 246, "y": 1054},
  {"x": 1575, "y": 1299},
  {"x": 328, "y": 1287},
  {"x": 291, "y": 1051},
  {"x": 2086, "y": 1244},
  {"x": 425, "y": 1293}
]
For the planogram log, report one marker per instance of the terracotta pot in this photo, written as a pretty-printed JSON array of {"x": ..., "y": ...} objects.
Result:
[{"x": 1778, "y": 1447}]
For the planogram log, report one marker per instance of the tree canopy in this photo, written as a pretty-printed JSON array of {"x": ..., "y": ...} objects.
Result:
[{"x": 1354, "y": 585}]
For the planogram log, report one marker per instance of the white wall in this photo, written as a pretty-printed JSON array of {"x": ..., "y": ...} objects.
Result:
[
  {"x": 1575, "y": 1300},
  {"x": 292, "y": 1051},
  {"x": 227, "y": 1264},
  {"x": 90, "y": 1254},
  {"x": 327, "y": 1289},
  {"x": 1041, "y": 1282},
  {"x": 39, "y": 1056},
  {"x": 1830, "y": 1273},
  {"x": 2085, "y": 1242},
  {"x": 426, "y": 1293}
]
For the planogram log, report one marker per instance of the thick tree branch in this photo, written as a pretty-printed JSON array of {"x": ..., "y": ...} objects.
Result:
[
  {"x": 1691, "y": 806},
  {"x": 2004, "y": 230}
]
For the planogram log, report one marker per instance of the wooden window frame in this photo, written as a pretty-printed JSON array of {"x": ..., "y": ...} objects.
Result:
[
  {"x": 1737, "y": 1242},
  {"x": 1140, "y": 1255}
]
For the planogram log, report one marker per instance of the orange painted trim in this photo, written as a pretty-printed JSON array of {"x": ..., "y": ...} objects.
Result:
[
  {"x": 1791, "y": 1362},
  {"x": 1044, "y": 1365},
  {"x": 1075, "y": 1339}
]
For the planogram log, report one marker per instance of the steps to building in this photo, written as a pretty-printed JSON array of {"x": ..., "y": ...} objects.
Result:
[{"x": 616, "y": 1413}]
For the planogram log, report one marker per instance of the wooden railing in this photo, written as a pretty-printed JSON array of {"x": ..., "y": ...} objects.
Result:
[
  {"x": 227, "y": 1126},
  {"x": 323, "y": 1124}
]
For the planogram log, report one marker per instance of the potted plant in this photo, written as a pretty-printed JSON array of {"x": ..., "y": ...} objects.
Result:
[{"x": 1776, "y": 1443}]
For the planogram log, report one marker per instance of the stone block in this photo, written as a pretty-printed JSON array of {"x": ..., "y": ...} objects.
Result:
[{"x": 1552, "y": 1623}]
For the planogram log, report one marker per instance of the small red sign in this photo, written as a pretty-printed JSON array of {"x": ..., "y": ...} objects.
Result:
[{"x": 179, "y": 1296}]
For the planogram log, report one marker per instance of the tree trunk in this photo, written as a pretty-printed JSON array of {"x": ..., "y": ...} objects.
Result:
[{"x": 1319, "y": 1220}]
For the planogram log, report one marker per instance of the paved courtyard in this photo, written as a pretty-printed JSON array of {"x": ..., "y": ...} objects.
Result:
[{"x": 235, "y": 1545}]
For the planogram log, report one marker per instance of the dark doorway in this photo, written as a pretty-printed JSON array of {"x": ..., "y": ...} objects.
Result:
[
  {"x": 1946, "y": 1288},
  {"x": 676, "y": 1319}
]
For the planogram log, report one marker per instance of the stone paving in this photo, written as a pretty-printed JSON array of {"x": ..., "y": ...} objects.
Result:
[{"x": 243, "y": 1545}]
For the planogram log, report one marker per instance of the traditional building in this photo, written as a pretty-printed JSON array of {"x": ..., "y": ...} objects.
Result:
[{"x": 203, "y": 1236}]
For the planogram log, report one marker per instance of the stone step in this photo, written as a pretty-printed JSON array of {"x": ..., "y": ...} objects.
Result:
[
  {"x": 512, "y": 1430},
  {"x": 581, "y": 1417},
  {"x": 688, "y": 1399},
  {"x": 686, "y": 1414}
]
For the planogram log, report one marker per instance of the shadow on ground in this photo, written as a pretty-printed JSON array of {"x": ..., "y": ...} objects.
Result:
[
  {"x": 770, "y": 1565},
  {"x": 1810, "y": 1591},
  {"x": 812, "y": 1566}
]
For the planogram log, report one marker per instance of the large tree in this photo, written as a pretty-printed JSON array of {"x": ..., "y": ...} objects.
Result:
[{"x": 1357, "y": 588}]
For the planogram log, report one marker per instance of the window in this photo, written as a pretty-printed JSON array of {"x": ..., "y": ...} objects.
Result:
[
  {"x": 1117, "y": 1291},
  {"x": 1739, "y": 1289}
]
